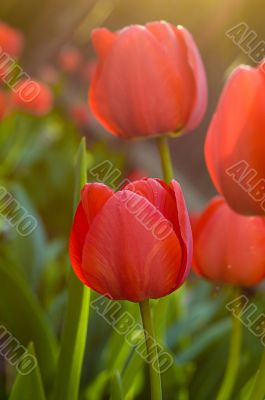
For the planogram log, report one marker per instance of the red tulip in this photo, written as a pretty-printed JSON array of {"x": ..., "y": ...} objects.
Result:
[
  {"x": 11, "y": 40},
  {"x": 80, "y": 114},
  {"x": 136, "y": 175},
  {"x": 228, "y": 247},
  {"x": 149, "y": 80},
  {"x": 194, "y": 218},
  {"x": 34, "y": 97},
  {"x": 70, "y": 59},
  {"x": 133, "y": 244},
  {"x": 235, "y": 141},
  {"x": 49, "y": 74}
]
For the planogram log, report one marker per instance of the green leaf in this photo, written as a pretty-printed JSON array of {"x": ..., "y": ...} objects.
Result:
[
  {"x": 116, "y": 387},
  {"x": 202, "y": 341},
  {"x": 20, "y": 150},
  {"x": 75, "y": 327},
  {"x": 27, "y": 387},
  {"x": 131, "y": 376},
  {"x": 247, "y": 388},
  {"x": 22, "y": 315},
  {"x": 95, "y": 390},
  {"x": 212, "y": 359},
  {"x": 34, "y": 244},
  {"x": 199, "y": 316}
]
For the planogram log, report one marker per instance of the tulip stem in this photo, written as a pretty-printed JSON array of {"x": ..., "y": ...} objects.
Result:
[
  {"x": 168, "y": 175},
  {"x": 166, "y": 161},
  {"x": 258, "y": 391},
  {"x": 233, "y": 362},
  {"x": 151, "y": 347}
]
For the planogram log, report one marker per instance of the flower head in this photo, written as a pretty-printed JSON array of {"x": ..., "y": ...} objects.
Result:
[
  {"x": 228, "y": 247},
  {"x": 235, "y": 142},
  {"x": 149, "y": 80},
  {"x": 133, "y": 244}
]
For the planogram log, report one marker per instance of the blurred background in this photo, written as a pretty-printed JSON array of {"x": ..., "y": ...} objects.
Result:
[
  {"x": 49, "y": 25},
  {"x": 37, "y": 161}
]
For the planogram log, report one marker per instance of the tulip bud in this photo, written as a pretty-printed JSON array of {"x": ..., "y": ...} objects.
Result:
[
  {"x": 80, "y": 114},
  {"x": 49, "y": 74},
  {"x": 34, "y": 97},
  {"x": 134, "y": 244},
  {"x": 70, "y": 59},
  {"x": 11, "y": 40},
  {"x": 149, "y": 80},
  {"x": 235, "y": 142},
  {"x": 229, "y": 247}
]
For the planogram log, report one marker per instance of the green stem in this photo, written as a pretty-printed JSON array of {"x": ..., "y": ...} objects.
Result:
[
  {"x": 233, "y": 361},
  {"x": 168, "y": 175},
  {"x": 152, "y": 356},
  {"x": 258, "y": 391},
  {"x": 166, "y": 162}
]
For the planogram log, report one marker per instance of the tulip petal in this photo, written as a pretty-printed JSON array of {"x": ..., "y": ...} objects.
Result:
[
  {"x": 158, "y": 194},
  {"x": 125, "y": 95},
  {"x": 170, "y": 202},
  {"x": 185, "y": 233},
  {"x": 240, "y": 91},
  {"x": 94, "y": 196},
  {"x": 261, "y": 68},
  {"x": 201, "y": 222},
  {"x": 201, "y": 91},
  {"x": 221, "y": 258},
  {"x": 102, "y": 40},
  {"x": 236, "y": 135},
  {"x": 77, "y": 240},
  {"x": 122, "y": 256},
  {"x": 176, "y": 51}
]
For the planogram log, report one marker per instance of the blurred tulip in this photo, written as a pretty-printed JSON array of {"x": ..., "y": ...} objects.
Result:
[
  {"x": 70, "y": 59},
  {"x": 80, "y": 114},
  {"x": 235, "y": 142},
  {"x": 194, "y": 218},
  {"x": 136, "y": 175},
  {"x": 149, "y": 80},
  {"x": 49, "y": 74},
  {"x": 38, "y": 102},
  {"x": 228, "y": 247},
  {"x": 11, "y": 40},
  {"x": 134, "y": 244}
]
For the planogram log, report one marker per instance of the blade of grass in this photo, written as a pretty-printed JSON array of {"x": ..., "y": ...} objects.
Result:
[
  {"x": 24, "y": 318},
  {"x": 28, "y": 386},
  {"x": 116, "y": 387}
]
